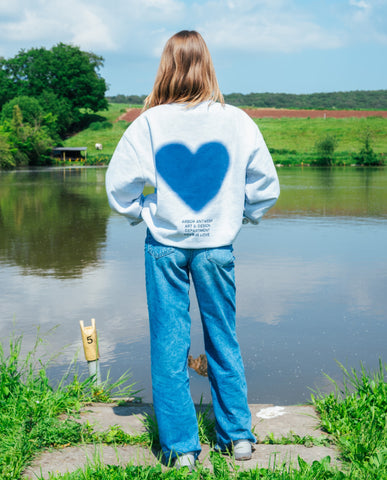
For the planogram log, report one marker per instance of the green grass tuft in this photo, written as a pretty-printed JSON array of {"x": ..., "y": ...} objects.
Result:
[
  {"x": 356, "y": 417},
  {"x": 31, "y": 410}
]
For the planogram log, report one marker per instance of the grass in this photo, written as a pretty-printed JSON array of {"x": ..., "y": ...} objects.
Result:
[
  {"x": 34, "y": 416},
  {"x": 292, "y": 141},
  {"x": 295, "y": 140},
  {"x": 301, "y": 134},
  {"x": 356, "y": 418},
  {"x": 221, "y": 470},
  {"x": 108, "y": 137}
]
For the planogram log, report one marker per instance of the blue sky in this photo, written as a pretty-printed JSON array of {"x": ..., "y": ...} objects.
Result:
[{"x": 291, "y": 46}]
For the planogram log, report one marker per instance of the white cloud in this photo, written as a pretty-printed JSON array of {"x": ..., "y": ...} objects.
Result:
[
  {"x": 97, "y": 34},
  {"x": 53, "y": 22},
  {"x": 144, "y": 25},
  {"x": 367, "y": 21},
  {"x": 263, "y": 26},
  {"x": 139, "y": 28},
  {"x": 362, "y": 12},
  {"x": 265, "y": 35},
  {"x": 359, "y": 4}
]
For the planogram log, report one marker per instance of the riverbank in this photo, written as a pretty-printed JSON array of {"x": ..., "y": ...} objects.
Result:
[
  {"x": 37, "y": 420},
  {"x": 291, "y": 140}
]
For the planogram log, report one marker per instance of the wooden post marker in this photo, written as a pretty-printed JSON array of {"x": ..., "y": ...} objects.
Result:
[
  {"x": 90, "y": 346},
  {"x": 89, "y": 339}
]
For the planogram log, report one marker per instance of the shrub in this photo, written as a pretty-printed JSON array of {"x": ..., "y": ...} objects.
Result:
[
  {"x": 367, "y": 156},
  {"x": 325, "y": 148},
  {"x": 101, "y": 125},
  {"x": 6, "y": 158},
  {"x": 31, "y": 142}
]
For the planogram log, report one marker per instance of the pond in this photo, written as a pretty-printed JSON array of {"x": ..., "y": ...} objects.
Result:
[{"x": 311, "y": 279}]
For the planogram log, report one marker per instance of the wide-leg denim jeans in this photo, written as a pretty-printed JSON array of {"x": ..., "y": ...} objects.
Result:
[{"x": 168, "y": 271}]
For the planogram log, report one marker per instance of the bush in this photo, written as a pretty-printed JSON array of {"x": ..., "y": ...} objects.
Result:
[
  {"x": 101, "y": 125},
  {"x": 6, "y": 158},
  {"x": 30, "y": 107},
  {"x": 325, "y": 148},
  {"x": 30, "y": 140},
  {"x": 367, "y": 156}
]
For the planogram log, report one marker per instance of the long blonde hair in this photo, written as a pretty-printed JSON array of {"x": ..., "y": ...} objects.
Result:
[{"x": 186, "y": 73}]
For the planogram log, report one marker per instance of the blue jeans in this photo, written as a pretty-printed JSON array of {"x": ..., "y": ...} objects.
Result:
[{"x": 167, "y": 272}]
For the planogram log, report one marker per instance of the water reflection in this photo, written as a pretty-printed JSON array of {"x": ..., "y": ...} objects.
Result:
[
  {"x": 311, "y": 278},
  {"x": 359, "y": 192},
  {"x": 52, "y": 222}
]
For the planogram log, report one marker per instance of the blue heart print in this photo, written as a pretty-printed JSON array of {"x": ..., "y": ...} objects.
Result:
[{"x": 195, "y": 177}]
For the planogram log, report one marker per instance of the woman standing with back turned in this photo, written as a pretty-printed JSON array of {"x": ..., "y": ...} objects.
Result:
[{"x": 212, "y": 172}]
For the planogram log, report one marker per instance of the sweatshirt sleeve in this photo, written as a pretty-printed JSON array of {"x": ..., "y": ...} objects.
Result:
[
  {"x": 125, "y": 180},
  {"x": 262, "y": 185}
]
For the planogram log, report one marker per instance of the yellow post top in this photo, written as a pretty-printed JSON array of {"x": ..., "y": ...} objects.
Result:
[{"x": 89, "y": 339}]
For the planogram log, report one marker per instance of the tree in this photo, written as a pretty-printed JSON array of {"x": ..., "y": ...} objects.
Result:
[
  {"x": 368, "y": 99},
  {"x": 6, "y": 158},
  {"x": 74, "y": 75},
  {"x": 61, "y": 107},
  {"x": 34, "y": 112},
  {"x": 30, "y": 139},
  {"x": 65, "y": 75},
  {"x": 7, "y": 88},
  {"x": 30, "y": 107}
]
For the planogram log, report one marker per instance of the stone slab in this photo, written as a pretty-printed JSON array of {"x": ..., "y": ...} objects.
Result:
[
  {"x": 69, "y": 459},
  {"x": 300, "y": 420},
  {"x": 279, "y": 421},
  {"x": 130, "y": 418}
]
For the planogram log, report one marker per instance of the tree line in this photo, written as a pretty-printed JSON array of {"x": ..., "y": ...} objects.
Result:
[
  {"x": 44, "y": 96},
  {"x": 353, "y": 100}
]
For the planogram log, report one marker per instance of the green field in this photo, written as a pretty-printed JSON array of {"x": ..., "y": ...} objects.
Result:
[
  {"x": 301, "y": 134},
  {"x": 108, "y": 137},
  {"x": 291, "y": 140}
]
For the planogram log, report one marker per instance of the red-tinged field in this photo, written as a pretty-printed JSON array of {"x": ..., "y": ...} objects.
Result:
[
  {"x": 281, "y": 112},
  {"x": 132, "y": 113}
]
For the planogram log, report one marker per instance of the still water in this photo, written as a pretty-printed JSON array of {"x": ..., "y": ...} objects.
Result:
[{"x": 311, "y": 279}]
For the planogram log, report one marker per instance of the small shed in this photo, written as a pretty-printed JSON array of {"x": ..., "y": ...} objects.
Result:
[{"x": 71, "y": 154}]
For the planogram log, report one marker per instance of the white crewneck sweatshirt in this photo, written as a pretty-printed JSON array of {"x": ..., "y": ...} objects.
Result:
[{"x": 210, "y": 167}]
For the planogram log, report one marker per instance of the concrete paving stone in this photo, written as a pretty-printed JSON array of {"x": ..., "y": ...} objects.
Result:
[
  {"x": 280, "y": 421},
  {"x": 129, "y": 417},
  {"x": 72, "y": 458},
  {"x": 270, "y": 456},
  {"x": 300, "y": 420},
  {"x": 69, "y": 459}
]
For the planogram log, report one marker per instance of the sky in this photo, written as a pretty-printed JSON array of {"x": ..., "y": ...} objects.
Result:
[{"x": 288, "y": 46}]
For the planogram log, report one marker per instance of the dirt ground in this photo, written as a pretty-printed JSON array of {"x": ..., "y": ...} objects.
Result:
[{"x": 132, "y": 113}]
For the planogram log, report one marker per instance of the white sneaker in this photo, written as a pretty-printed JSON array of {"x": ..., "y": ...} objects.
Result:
[
  {"x": 242, "y": 450},
  {"x": 185, "y": 460}
]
